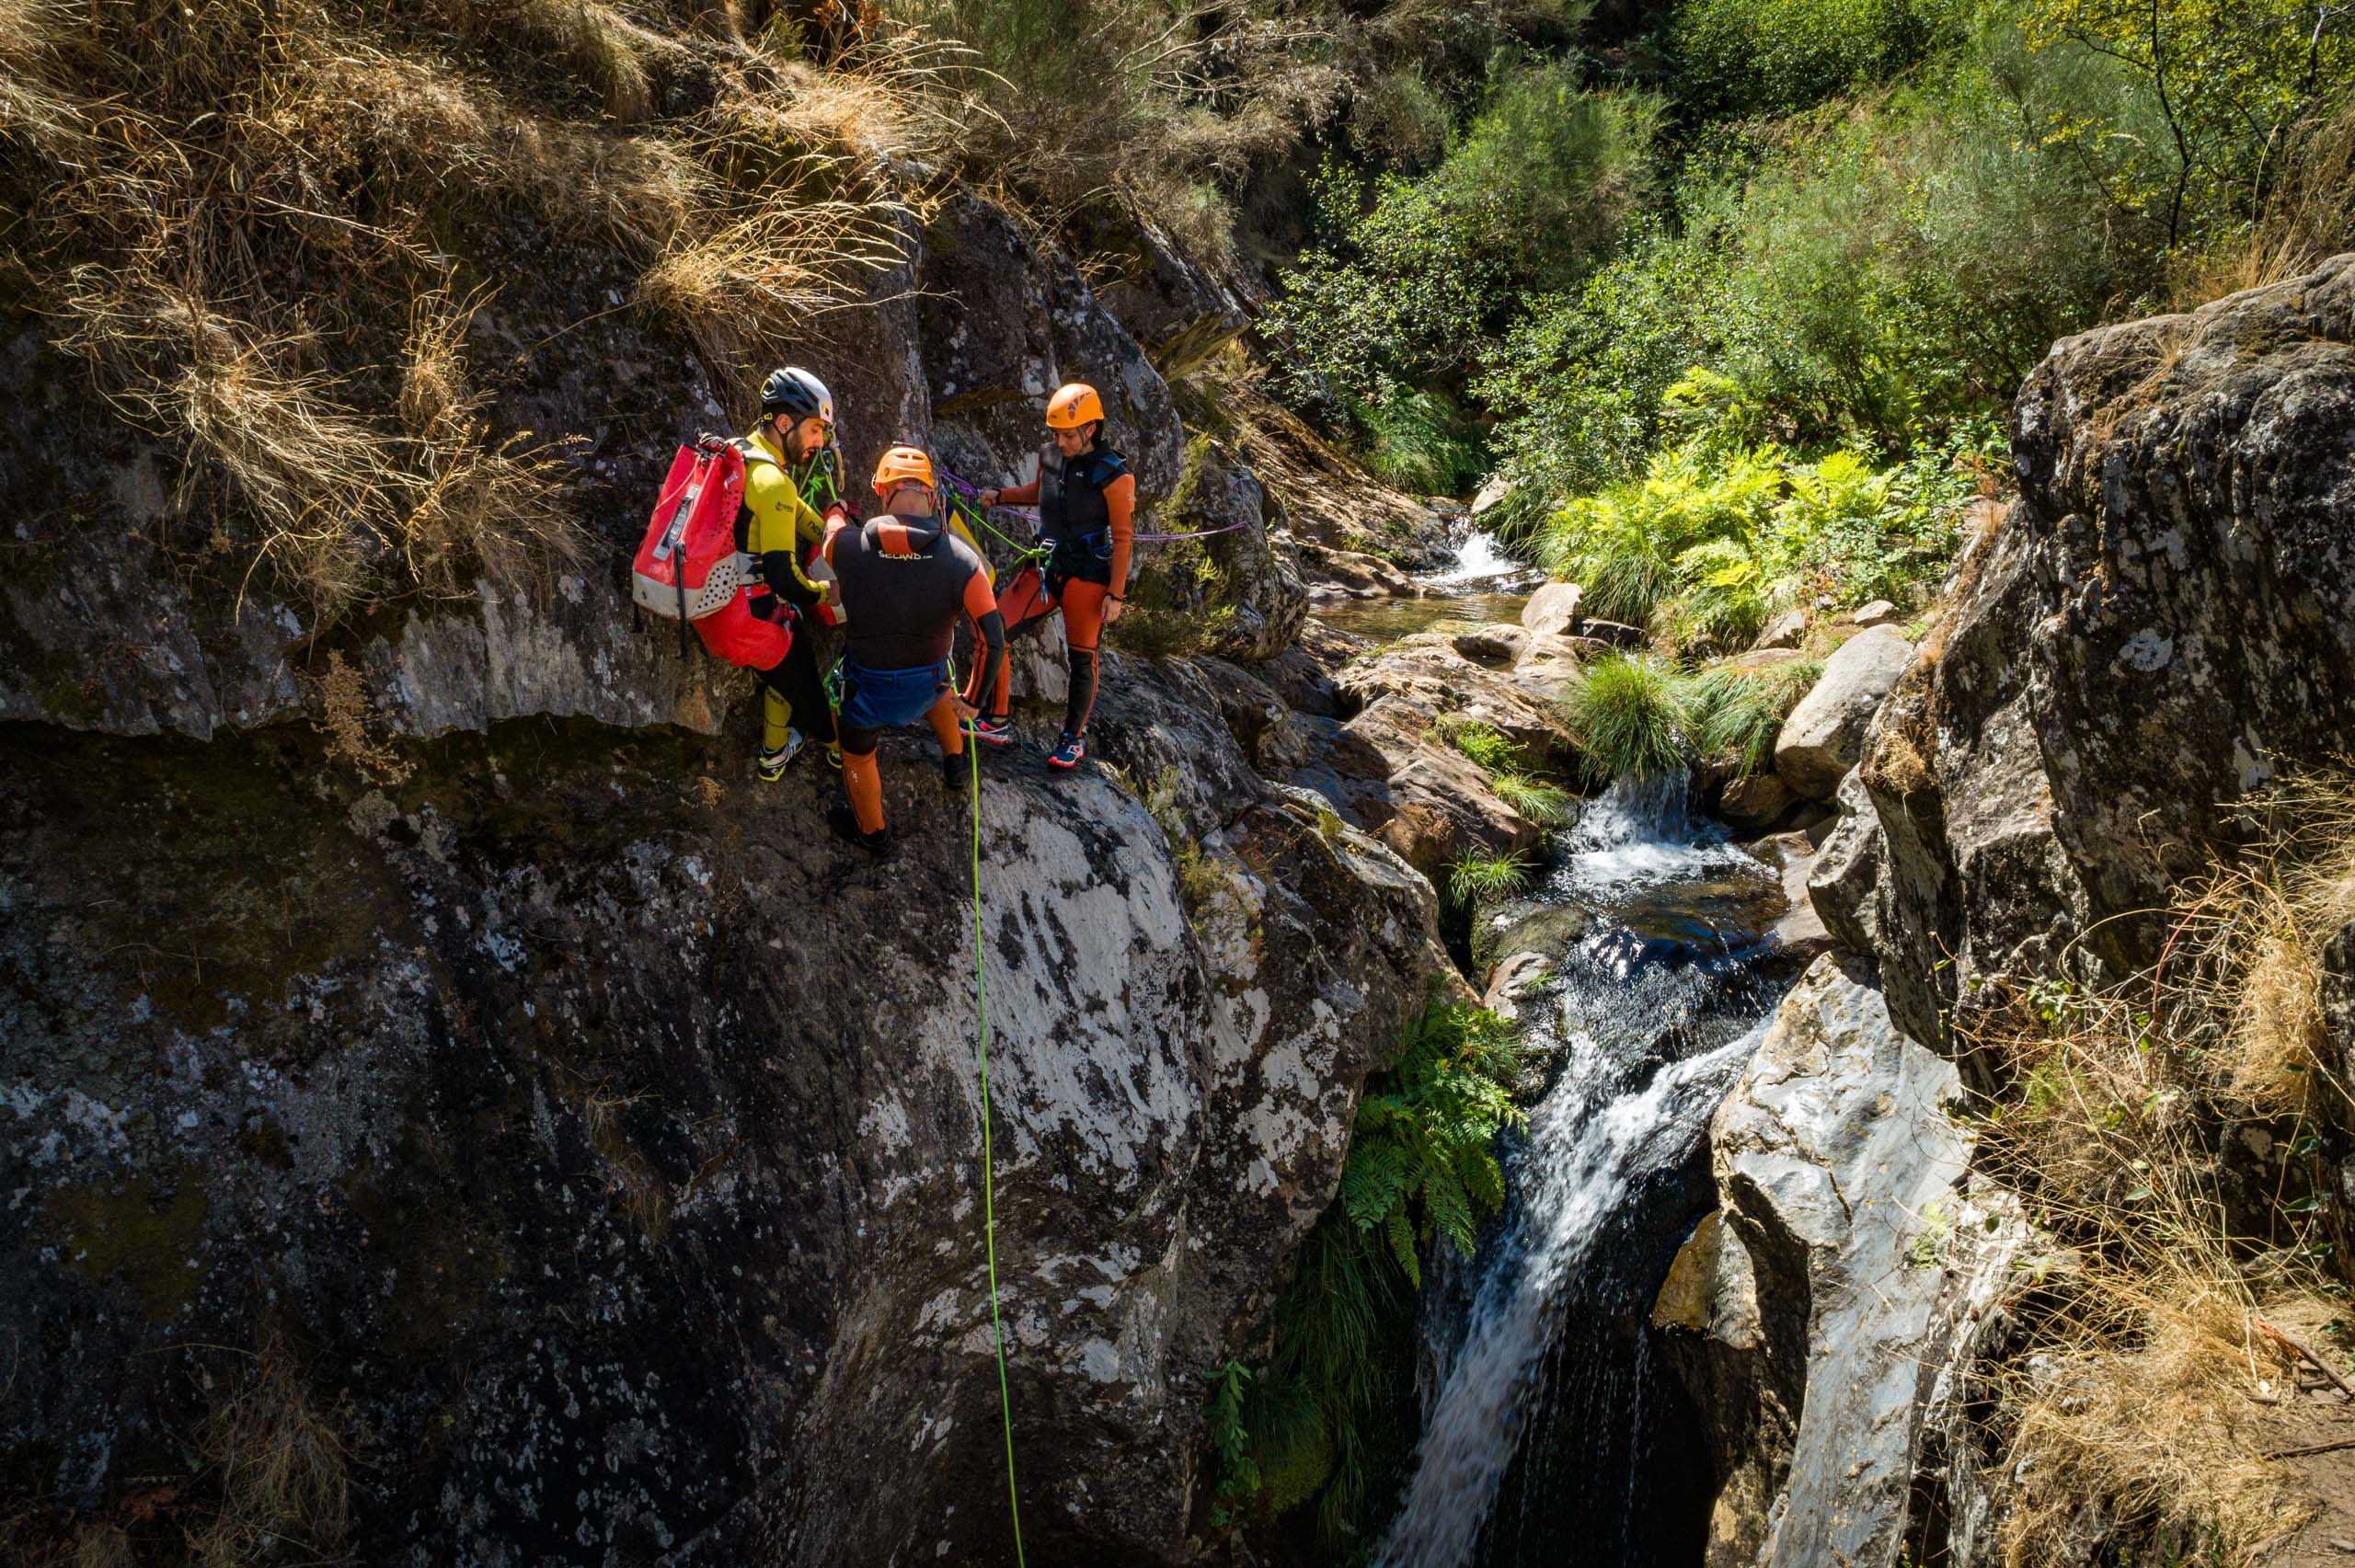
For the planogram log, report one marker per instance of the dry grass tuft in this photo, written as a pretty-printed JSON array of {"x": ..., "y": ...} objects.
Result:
[
  {"x": 596, "y": 45},
  {"x": 103, "y": 1544},
  {"x": 2308, "y": 216},
  {"x": 285, "y": 1469},
  {"x": 2131, "y": 1398},
  {"x": 2143, "y": 1412},
  {"x": 758, "y": 279},
  {"x": 2258, "y": 934}
]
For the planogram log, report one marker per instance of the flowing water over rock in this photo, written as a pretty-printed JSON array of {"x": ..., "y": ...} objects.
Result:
[
  {"x": 1545, "y": 1422},
  {"x": 1484, "y": 585}
]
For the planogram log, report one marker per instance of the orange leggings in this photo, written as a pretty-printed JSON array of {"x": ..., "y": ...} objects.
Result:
[
  {"x": 1031, "y": 596},
  {"x": 863, "y": 780}
]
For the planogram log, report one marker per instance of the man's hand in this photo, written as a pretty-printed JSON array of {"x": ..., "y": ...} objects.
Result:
[
  {"x": 960, "y": 707},
  {"x": 987, "y": 497},
  {"x": 1113, "y": 608}
]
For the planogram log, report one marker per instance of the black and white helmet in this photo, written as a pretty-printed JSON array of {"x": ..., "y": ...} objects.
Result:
[{"x": 796, "y": 391}]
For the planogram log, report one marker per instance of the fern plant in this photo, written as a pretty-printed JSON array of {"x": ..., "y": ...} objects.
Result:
[{"x": 1318, "y": 1419}]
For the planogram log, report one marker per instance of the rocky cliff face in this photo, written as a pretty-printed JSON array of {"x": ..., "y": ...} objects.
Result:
[
  {"x": 2164, "y": 621},
  {"x": 430, "y": 1014}
]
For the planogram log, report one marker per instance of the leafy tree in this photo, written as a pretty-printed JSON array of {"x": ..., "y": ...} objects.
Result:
[{"x": 2230, "y": 78}]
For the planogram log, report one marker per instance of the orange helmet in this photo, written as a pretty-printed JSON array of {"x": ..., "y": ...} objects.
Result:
[
  {"x": 902, "y": 466},
  {"x": 1073, "y": 407}
]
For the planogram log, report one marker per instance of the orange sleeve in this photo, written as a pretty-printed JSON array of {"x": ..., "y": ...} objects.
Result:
[
  {"x": 1019, "y": 495},
  {"x": 1121, "y": 500},
  {"x": 979, "y": 599}
]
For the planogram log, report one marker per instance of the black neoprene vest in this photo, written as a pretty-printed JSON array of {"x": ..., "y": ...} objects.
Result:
[
  {"x": 1073, "y": 510},
  {"x": 904, "y": 607}
]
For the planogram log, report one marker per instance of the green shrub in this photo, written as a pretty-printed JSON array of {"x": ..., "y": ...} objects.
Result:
[
  {"x": 1627, "y": 714},
  {"x": 1632, "y": 545},
  {"x": 1414, "y": 441},
  {"x": 1774, "y": 56},
  {"x": 1407, "y": 277},
  {"x": 1320, "y": 1417}
]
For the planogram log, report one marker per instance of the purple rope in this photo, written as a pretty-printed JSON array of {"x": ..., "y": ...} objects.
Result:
[{"x": 1031, "y": 514}]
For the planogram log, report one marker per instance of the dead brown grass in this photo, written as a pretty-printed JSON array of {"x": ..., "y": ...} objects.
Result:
[
  {"x": 2131, "y": 1398},
  {"x": 284, "y": 1464},
  {"x": 2308, "y": 215},
  {"x": 282, "y": 186}
]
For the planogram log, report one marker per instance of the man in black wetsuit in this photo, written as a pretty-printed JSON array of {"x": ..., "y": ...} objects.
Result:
[{"x": 905, "y": 582}]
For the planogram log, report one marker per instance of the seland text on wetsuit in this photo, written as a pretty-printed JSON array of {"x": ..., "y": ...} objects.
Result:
[{"x": 904, "y": 581}]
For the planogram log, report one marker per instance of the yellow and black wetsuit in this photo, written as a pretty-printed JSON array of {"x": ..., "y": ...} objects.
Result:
[{"x": 782, "y": 529}]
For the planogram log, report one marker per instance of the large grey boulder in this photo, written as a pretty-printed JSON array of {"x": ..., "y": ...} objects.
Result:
[
  {"x": 1553, "y": 610},
  {"x": 1823, "y": 1297},
  {"x": 1824, "y": 735},
  {"x": 2165, "y": 621}
]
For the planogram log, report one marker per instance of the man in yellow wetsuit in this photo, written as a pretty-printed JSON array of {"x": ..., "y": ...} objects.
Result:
[{"x": 790, "y": 460}]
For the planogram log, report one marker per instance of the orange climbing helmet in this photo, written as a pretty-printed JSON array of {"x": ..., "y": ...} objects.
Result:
[
  {"x": 1073, "y": 406},
  {"x": 902, "y": 466}
]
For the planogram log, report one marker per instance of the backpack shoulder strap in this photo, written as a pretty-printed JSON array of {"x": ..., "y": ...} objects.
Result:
[{"x": 751, "y": 452}]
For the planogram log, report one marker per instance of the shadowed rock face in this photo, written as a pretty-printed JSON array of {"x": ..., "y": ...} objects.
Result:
[
  {"x": 2165, "y": 621},
  {"x": 571, "y": 1112}
]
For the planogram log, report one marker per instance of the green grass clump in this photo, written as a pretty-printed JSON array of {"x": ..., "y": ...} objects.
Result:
[
  {"x": 1494, "y": 753},
  {"x": 1472, "y": 877},
  {"x": 1321, "y": 1418},
  {"x": 1628, "y": 712},
  {"x": 1736, "y": 712},
  {"x": 1548, "y": 805},
  {"x": 1490, "y": 751}
]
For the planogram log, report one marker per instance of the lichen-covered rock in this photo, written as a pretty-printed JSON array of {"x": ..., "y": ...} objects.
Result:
[
  {"x": 2165, "y": 620},
  {"x": 591, "y": 1135},
  {"x": 609, "y": 1137},
  {"x": 1824, "y": 1297},
  {"x": 1824, "y": 735}
]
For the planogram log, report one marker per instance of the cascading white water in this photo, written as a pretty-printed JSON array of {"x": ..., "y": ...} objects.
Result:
[
  {"x": 1644, "y": 1025},
  {"x": 1478, "y": 558}
]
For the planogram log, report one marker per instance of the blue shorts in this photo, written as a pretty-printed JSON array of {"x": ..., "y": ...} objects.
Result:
[{"x": 885, "y": 699}]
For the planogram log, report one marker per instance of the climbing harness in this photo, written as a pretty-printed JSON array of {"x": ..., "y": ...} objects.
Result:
[{"x": 989, "y": 1183}]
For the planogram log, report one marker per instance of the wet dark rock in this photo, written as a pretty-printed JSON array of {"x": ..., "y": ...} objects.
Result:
[{"x": 471, "y": 1029}]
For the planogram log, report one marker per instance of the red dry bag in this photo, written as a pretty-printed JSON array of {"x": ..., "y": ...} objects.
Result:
[{"x": 688, "y": 567}]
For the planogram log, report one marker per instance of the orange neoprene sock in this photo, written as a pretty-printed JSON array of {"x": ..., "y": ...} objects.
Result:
[{"x": 863, "y": 782}]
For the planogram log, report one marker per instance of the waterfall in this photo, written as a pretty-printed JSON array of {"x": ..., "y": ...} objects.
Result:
[{"x": 1538, "y": 1382}]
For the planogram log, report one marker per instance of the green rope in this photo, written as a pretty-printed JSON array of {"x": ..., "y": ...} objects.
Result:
[
  {"x": 988, "y": 1210},
  {"x": 1026, "y": 554}
]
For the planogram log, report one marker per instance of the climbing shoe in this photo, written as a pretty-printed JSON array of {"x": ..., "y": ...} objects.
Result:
[
  {"x": 771, "y": 764},
  {"x": 996, "y": 731},
  {"x": 956, "y": 772},
  {"x": 1068, "y": 751},
  {"x": 845, "y": 822}
]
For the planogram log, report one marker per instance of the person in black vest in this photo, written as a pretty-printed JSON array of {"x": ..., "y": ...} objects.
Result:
[
  {"x": 1087, "y": 501},
  {"x": 904, "y": 580}
]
